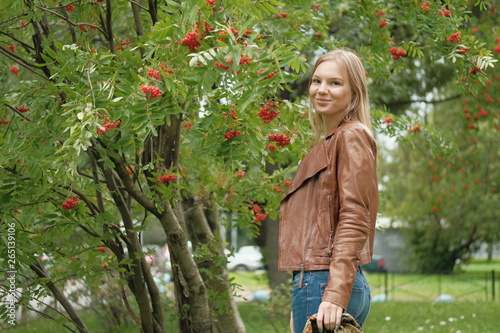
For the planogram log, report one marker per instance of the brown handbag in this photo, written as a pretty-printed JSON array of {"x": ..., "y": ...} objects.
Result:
[{"x": 348, "y": 325}]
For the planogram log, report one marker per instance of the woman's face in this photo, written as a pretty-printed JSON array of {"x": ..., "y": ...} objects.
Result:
[{"x": 330, "y": 91}]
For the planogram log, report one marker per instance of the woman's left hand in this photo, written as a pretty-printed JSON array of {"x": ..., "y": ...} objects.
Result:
[{"x": 329, "y": 316}]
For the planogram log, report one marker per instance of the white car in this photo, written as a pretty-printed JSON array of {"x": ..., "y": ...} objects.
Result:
[{"x": 247, "y": 258}]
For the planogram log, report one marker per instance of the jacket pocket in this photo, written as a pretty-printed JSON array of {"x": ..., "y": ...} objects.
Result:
[{"x": 319, "y": 255}]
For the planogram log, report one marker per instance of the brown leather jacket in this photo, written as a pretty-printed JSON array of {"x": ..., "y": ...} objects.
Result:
[{"x": 327, "y": 217}]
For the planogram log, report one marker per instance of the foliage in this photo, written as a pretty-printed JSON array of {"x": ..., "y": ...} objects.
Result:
[{"x": 444, "y": 175}]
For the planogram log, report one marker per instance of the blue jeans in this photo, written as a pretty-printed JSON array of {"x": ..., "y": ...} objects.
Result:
[{"x": 306, "y": 300}]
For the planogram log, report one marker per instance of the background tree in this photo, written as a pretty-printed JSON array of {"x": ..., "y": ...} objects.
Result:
[
  {"x": 116, "y": 112},
  {"x": 442, "y": 178}
]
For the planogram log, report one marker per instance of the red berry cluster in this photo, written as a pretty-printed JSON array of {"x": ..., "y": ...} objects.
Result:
[
  {"x": 281, "y": 139},
  {"x": 108, "y": 126},
  {"x": 269, "y": 112},
  {"x": 11, "y": 48},
  {"x": 211, "y": 3},
  {"x": 220, "y": 65},
  {"x": 164, "y": 67},
  {"x": 231, "y": 134},
  {"x": 268, "y": 76},
  {"x": 397, "y": 53},
  {"x": 454, "y": 38},
  {"x": 245, "y": 60},
  {"x": 191, "y": 41},
  {"x": 260, "y": 217},
  {"x": 154, "y": 73},
  {"x": 387, "y": 120},
  {"x": 4, "y": 122},
  {"x": 232, "y": 114},
  {"x": 166, "y": 178},
  {"x": 70, "y": 203},
  {"x": 21, "y": 108},
  {"x": 257, "y": 211},
  {"x": 425, "y": 6},
  {"x": 151, "y": 91},
  {"x": 415, "y": 128},
  {"x": 445, "y": 13},
  {"x": 14, "y": 70}
]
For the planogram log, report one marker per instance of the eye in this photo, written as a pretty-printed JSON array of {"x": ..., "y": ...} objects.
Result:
[{"x": 315, "y": 81}]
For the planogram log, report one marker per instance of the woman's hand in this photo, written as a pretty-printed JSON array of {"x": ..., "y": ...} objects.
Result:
[{"x": 329, "y": 316}]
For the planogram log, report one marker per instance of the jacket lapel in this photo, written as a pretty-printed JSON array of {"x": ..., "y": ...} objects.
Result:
[{"x": 315, "y": 161}]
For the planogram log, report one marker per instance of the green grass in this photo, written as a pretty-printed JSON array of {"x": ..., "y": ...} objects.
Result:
[
  {"x": 409, "y": 317},
  {"x": 411, "y": 307},
  {"x": 399, "y": 317},
  {"x": 480, "y": 265},
  {"x": 472, "y": 283}
]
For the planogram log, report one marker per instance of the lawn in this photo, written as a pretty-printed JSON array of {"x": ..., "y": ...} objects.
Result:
[
  {"x": 411, "y": 306},
  {"x": 401, "y": 317}
]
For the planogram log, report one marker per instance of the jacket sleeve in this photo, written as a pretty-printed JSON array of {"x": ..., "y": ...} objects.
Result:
[{"x": 356, "y": 179}]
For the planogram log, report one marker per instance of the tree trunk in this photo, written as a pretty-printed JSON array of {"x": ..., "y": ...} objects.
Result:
[
  {"x": 190, "y": 290},
  {"x": 268, "y": 240},
  {"x": 192, "y": 299},
  {"x": 59, "y": 296},
  {"x": 203, "y": 226}
]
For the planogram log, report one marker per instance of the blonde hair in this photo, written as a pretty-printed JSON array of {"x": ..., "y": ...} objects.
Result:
[{"x": 358, "y": 108}]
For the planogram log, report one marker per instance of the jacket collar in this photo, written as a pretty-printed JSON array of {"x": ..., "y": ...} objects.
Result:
[{"x": 315, "y": 161}]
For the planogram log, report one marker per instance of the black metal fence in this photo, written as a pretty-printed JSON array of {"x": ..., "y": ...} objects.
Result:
[{"x": 436, "y": 287}]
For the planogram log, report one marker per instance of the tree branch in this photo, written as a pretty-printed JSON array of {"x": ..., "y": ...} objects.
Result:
[
  {"x": 396, "y": 103},
  {"x": 59, "y": 296},
  {"x": 20, "y": 61},
  {"x": 69, "y": 21},
  {"x": 16, "y": 111}
]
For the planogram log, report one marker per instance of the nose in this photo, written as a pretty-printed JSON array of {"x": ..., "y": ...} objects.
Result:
[{"x": 322, "y": 89}]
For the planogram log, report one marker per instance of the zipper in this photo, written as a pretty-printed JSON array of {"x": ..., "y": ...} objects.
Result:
[{"x": 301, "y": 276}]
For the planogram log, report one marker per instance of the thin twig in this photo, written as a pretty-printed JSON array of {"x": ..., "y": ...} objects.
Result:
[
  {"x": 20, "y": 61},
  {"x": 16, "y": 111},
  {"x": 69, "y": 21}
]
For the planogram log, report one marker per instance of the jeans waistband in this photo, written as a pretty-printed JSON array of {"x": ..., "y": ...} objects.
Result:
[{"x": 320, "y": 272}]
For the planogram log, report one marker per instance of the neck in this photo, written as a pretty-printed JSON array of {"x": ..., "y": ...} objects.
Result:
[{"x": 329, "y": 123}]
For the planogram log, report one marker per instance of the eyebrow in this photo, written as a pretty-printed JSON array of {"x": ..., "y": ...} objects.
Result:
[{"x": 328, "y": 78}]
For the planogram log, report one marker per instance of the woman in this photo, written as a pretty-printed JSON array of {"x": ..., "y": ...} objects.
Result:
[{"x": 327, "y": 217}]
